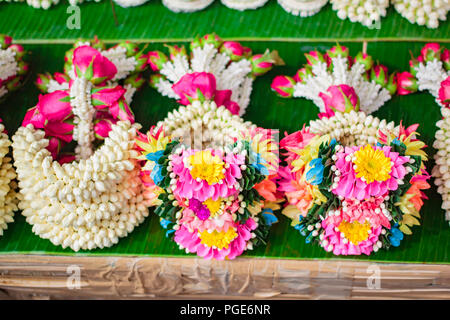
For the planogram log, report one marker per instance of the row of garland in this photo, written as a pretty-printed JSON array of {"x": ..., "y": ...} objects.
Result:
[{"x": 367, "y": 12}]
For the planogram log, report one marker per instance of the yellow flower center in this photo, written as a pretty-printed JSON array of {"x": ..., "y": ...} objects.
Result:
[
  {"x": 372, "y": 164},
  {"x": 218, "y": 239},
  {"x": 355, "y": 232},
  {"x": 206, "y": 167},
  {"x": 213, "y": 205}
]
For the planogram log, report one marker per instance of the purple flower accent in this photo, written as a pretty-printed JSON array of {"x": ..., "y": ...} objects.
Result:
[{"x": 200, "y": 210}]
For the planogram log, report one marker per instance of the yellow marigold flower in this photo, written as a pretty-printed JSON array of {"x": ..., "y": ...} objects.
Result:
[
  {"x": 218, "y": 239},
  {"x": 206, "y": 167},
  {"x": 355, "y": 232},
  {"x": 372, "y": 165}
]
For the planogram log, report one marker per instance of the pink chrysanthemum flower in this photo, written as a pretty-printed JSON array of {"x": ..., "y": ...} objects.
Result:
[
  {"x": 217, "y": 245},
  {"x": 349, "y": 238},
  {"x": 370, "y": 210},
  {"x": 206, "y": 174},
  {"x": 368, "y": 171}
]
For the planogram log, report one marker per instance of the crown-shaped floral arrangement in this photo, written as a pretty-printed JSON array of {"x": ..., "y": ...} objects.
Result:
[
  {"x": 224, "y": 67},
  {"x": 89, "y": 198},
  {"x": 13, "y": 67},
  {"x": 212, "y": 177},
  {"x": 430, "y": 71},
  {"x": 353, "y": 182}
]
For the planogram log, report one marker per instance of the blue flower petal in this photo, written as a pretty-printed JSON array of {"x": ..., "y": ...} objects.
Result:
[{"x": 269, "y": 217}]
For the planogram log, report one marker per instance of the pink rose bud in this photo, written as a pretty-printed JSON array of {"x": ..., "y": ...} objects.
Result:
[
  {"x": 338, "y": 51},
  {"x": 121, "y": 111},
  {"x": 155, "y": 79},
  {"x": 379, "y": 74},
  {"x": 43, "y": 81},
  {"x": 65, "y": 158},
  {"x": 342, "y": 98},
  {"x": 135, "y": 80},
  {"x": 196, "y": 43},
  {"x": 213, "y": 39},
  {"x": 176, "y": 51},
  {"x": 61, "y": 130},
  {"x": 283, "y": 86},
  {"x": 98, "y": 44},
  {"x": 5, "y": 41},
  {"x": 130, "y": 47},
  {"x": 61, "y": 77},
  {"x": 13, "y": 83},
  {"x": 54, "y": 146},
  {"x": 431, "y": 51},
  {"x": 413, "y": 66},
  {"x": 406, "y": 83},
  {"x": 262, "y": 63},
  {"x": 156, "y": 60},
  {"x": 233, "y": 107},
  {"x": 92, "y": 65},
  {"x": 195, "y": 86},
  {"x": 34, "y": 117},
  {"x": 106, "y": 97},
  {"x": 20, "y": 52},
  {"x": 142, "y": 61},
  {"x": 55, "y": 106},
  {"x": 365, "y": 60},
  {"x": 303, "y": 73},
  {"x": 444, "y": 92},
  {"x": 23, "y": 68},
  {"x": 102, "y": 127},
  {"x": 234, "y": 50},
  {"x": 391, "y": 85},
  {"x": 445, "y": 58},
  {"x": 314, "y": 57}
]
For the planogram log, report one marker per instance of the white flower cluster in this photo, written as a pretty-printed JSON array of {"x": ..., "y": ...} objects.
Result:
[
  {"x": 45, "y": 4},
  {"x": 186, "y": 5},
  {"x": 366, "y": 12},
  {"x": 130, "y": 3},
  {"x": 423, "y": 12},
  {"x": 442, "y": 169},
  {"x": 8, "y": 67},
  {"x": 86, "y": 204},
  {"x": 244, "y": 4},
  {"x": 8, "y": 197},
  {"x": 429, "y": 77},
  {"x": 234, "y": 76},
  {"x": 302, "y": 8},
  {"x": 204, "y": 125},
  {"x": 353, "y": 128},
  {"x": 371, "y": 95}
]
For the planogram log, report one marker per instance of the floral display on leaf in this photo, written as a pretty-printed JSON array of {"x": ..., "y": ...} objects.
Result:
[
  {"x": 302, "y": 8},
  {"x": 211, "y": 175},
  {"x": 430, "y": 71},
  {"x": 13, "y": 65},
  {"x": 222, "y": 70},
  {"x": 242, "y": 5},
  {"x": 75, "y": 152},
  {"x": 186, "y": 5},
  {"x": 423, "y": 12},
  {"x": 353, "y": 183},
  {"x": 366, "y": 12}
]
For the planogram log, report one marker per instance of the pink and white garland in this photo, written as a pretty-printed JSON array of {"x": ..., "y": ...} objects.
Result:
[
  {"x": 91, "y": 198},
  {"x": 224, "y": 67},
  {"x": 430, "y": 71},
  {"x": 13, "y": 66}
]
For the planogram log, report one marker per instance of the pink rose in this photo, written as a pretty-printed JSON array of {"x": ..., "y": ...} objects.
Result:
[
  {"x": 341, "y": 98},
  {"x": 60, "y": 130},
  {"x": 61, "y": 77},
  {"x": 195, "y": 86},
  {"x": 102, "y": 127},
  {"x": 283, "y": 85},
  {"x": 303, "y": 73},
  {"x": 55, "y": 106},
  {"x": 314, "y": 57},
  {"x": 234, "y": 50},
  {"x": 431, "y": 51},
  {"x": 406, "y": 83},
  {"x": 365, "y": 60},
  {"x": 121, "y": 111},
  {"x": 54, "y": 146},
  {"x": 379, "y": 74},
  {"x": 34, "y": 117},
  {"x": 232, "y": 106},
  {"x": 92, "y": 65},
  {"x": 338, "y": 51},
  {"x": 156, "y": 60},
  {"x": 262, "y": 63},
  {"x": 445, "y": 58},
  {"x": 106, "y": 97},
  {"x": 444, "y": 92}
]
